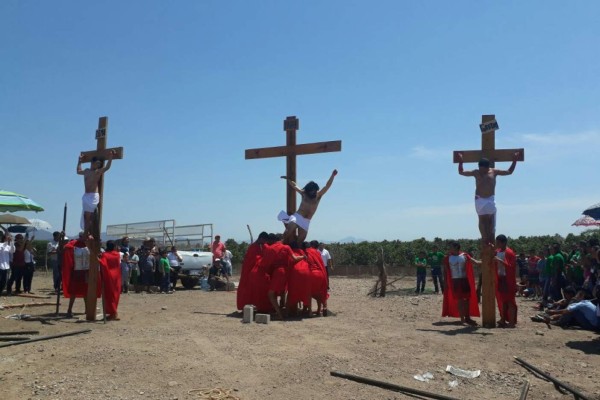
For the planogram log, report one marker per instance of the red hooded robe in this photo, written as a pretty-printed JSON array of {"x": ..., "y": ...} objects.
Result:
[
  {"x": 245, "y": 288},
  {"x": 450, "y": 304},
  {"x": 110, "y": 263},
  {"x": 506, "y": 286},
  {"x": 298, "y": 281},
  {"x": 318, "y": 274}
]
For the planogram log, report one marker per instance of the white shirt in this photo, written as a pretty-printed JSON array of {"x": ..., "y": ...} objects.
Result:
[
  {"x": 227, "y": 256},
  {"x": 173, "y": 260},
  {"x": 52, "y": 246},
  {"x": 458, "y": 266},
  {"x": 28, "y": 257},
  {"x": 5, "y": 251},
  {"x": 325, "y": 256}
]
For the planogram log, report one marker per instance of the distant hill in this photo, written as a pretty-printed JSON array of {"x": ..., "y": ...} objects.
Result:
[{"x": 351, "y": 239}]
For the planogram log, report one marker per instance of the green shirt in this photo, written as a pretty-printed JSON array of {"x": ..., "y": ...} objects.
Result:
[
  {"x": 164, "y": 263},
  {"x": 421, "y": 264},
  {"x": 549, "y": 267},
  {"x": 558, "y": 264},
  {"x": 435, "y": 259}
]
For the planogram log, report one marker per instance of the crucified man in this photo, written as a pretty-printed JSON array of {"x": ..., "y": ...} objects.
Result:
[
  {"x": 91, "y": 197},
  {"x": 485, "y": 188},
  {"x": 300, "y": 220}
]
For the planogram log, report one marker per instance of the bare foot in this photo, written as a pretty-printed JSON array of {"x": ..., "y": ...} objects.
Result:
[{"x": 470, "y": 322}]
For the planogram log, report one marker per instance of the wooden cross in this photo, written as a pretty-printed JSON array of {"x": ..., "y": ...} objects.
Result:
[
  {"x": 101, "y": 153},
  {"x": 290, "y": 151},
  {"x": 488, "y": 150}
]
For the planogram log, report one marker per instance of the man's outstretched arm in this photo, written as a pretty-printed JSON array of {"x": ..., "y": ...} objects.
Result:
[
  {"x": 328, "y": 184},
  {"x": 512, "y": 166},
  {"x": 79, "y": 169},
  {"x": 109, "y": 163},
  {"x": 461, "y": 170},
  {"x": 293, "y": 184}
]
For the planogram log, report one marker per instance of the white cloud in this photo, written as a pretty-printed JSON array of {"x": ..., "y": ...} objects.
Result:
[
  {"x": 562, "y": 139},
  {"x": 426, "y": 153}
]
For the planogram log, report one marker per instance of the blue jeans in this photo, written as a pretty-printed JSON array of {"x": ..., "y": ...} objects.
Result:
[
  {"x": 436, "y": 275},
  {"x": 56, "y": 273},
  {"x": 421, "y": 277},
  {"x": 165, "y": 283}
]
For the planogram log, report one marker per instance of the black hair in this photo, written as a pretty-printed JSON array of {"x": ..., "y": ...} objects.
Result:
[
  {"x": 263, "y": 235},
  {"x": 570, "y": 290},
  {"x": 455, "y": 245},
  {"x": 502, "y": 238},
  {"x": 311, "y": 187},
  {"x": 484, "y": 162},
  {"x": 110, "y": 245},
  {"x": 314, "y": 244}
]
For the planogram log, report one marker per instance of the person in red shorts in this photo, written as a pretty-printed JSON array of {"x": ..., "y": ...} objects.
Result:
[
  {"x": 506, "y": 283},
  {"x": 460, "y": 297}
]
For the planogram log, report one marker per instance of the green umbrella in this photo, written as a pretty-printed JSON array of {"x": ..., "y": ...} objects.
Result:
[{"x": 10, "y": 201}]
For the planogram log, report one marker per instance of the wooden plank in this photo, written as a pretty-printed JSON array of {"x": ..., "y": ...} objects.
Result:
[
  {"x": 103, "y": 154},
  {"x": 307, "y": 148},
  {"x": 499, "y": 155}
]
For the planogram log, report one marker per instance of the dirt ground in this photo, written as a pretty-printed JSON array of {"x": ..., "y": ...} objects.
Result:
[{"x": 167, "y": 345}]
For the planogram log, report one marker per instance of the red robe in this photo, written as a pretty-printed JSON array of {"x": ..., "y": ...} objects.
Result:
[
  {"x": 259, "y": 281},
  {"x": 275, "y": 264},
  {"x": 110, "y": 264},
  {"x": 245, "y": 288},
  {"x": 506, "y": 287},
  {"x": 450, "y": 304},
  {"x": 318, "y": 274},
  {"x": 298, "y": 281},
  {"x": 75, "y": 283}
]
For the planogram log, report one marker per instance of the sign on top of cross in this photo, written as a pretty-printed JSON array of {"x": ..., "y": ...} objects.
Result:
[
  {"x": 290, "y": 151},
  {"x": 488, "y": 128},
  {"x": 101, "y": 153}
]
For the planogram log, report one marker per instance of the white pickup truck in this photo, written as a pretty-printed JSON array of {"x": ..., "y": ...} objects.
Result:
[{"x": 195, "y": 266}]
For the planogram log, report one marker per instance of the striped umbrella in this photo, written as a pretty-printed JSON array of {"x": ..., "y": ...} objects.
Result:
[
  {"x": 586, "y": 220},
  {"x": 10, "y": 201}
]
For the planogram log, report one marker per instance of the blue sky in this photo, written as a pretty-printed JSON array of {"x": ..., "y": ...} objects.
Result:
[{"x": 189, "y": 85}]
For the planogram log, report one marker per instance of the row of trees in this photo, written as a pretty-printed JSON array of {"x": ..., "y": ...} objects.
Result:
[
  {"x": 396, "y": 252},
  {"x": 402, "y": 253}
]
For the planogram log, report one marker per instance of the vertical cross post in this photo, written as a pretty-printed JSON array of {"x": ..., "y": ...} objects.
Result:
[{"x": 291, "y": 125}]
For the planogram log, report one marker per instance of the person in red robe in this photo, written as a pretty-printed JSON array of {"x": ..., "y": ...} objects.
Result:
[
  {"x": 460, "y": 298},
  {"x": 75, "y": 272},
  {"x": 506, "y": 282},
  {"x": 318, "y": 277},
  {"x": 273, "y": 268},
  {"x": 298, "y": 283},
  {"x": 251, "y": 259},
  {"x": 110, "y": 264}
]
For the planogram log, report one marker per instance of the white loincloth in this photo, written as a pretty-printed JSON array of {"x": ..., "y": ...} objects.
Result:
[
  {"x": 295, "y": 218},
  {"x": 90, "y": 202},
  {"x": 485, "y": 205}
]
